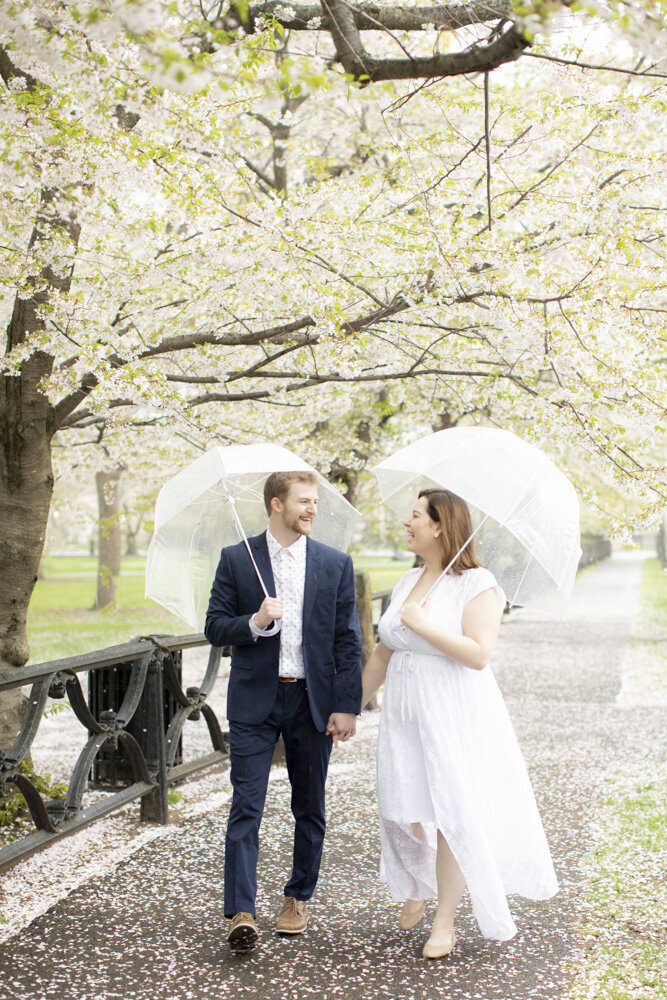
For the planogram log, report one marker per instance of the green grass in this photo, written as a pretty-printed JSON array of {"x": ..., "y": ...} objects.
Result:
[
  {"x": 79, "y": 566},
  {"x": 653, "y": 596},
  {"x": 73, "y": 586},
  {"x": 61, "y": 622},
  {"x": 385, "y": 573},
  {"x": 623, "y": 925}
]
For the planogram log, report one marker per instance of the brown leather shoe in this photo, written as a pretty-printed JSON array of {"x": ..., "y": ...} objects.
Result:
[
  {"x": 293, "y": 917},
  {"x": 242, "y": 934}
]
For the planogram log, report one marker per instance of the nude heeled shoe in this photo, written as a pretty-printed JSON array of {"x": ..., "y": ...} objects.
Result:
[
  {"x": 439, "y": 944},
  {"x": 411, "y": 913}
]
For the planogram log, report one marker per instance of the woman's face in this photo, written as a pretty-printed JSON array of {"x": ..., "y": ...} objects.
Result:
[{"x": 423, "y": 533}]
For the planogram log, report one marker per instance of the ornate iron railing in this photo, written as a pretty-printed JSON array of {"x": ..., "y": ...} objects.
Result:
[{"x": 152, "y": 756}]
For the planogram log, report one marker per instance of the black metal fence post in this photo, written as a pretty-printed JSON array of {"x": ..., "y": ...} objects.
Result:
[{"x": 155, "y": 805}]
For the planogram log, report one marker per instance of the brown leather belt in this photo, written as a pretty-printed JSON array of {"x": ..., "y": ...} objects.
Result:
[{"x": 289, "y": 680}]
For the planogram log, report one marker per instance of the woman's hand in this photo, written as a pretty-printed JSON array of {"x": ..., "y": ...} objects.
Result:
[
  {"x": 480, "y": 623},
  {"x": 414, "y": 615}
]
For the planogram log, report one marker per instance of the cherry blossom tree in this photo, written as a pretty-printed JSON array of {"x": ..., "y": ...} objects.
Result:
[{"x": 261, "y": 220}]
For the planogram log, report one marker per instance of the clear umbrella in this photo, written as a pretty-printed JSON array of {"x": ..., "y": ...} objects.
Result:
[
  {"x": 525, "y": 511},
  {"x": 218, "y": 500}
]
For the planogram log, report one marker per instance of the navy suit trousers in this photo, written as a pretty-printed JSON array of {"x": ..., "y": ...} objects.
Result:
[{"x": 307, "y": 753}]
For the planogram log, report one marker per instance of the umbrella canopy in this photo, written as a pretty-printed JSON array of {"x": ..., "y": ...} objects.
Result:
[
  {"x": 525, "y": 512},
  {"x": 216, "y": 501}
]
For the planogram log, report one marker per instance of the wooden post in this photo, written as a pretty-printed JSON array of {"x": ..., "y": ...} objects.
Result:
[{"x": 362, "y": 591}]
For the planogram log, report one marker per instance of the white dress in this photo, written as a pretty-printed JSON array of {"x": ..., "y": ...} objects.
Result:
[{"x": 448, "y": 759}]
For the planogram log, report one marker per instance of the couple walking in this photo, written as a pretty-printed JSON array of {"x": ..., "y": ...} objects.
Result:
[{"x": 455, "y": 803}]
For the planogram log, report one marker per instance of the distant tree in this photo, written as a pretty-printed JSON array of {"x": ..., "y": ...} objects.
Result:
[{"x": 110, "y": 537}]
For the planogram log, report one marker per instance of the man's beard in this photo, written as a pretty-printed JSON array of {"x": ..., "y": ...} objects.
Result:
[{"x": 299, "y": 526}]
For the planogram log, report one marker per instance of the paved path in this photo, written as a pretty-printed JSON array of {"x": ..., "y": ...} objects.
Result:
[{"x": 153, "y": 929}]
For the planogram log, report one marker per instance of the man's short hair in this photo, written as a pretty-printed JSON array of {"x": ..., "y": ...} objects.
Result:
[{"x": 278, "y": 484}]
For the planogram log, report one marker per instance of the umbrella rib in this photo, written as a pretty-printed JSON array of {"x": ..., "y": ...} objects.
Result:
[
  {"x": 523, "y": 575},
  {"x": 243, "y": 492},
  {"x": 232, "y": 504},
  {"x": 452, "y": 561}
]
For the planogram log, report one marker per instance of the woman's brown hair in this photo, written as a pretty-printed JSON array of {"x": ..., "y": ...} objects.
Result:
[{"x": 453, "y": 516}]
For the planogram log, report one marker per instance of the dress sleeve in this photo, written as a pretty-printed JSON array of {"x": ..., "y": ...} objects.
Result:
[
  {"x": 408, "y": 575},
  {"x": 478, "y": 581}
]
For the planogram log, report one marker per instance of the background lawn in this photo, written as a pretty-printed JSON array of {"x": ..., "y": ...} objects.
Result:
[{"x": 61, "y": 622}]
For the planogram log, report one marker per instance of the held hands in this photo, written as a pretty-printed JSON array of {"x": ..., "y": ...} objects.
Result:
[
  {"x": 270, "y": 609},
  {"x": 341, "y": 726},
  {"x": 414, "y": 615}
]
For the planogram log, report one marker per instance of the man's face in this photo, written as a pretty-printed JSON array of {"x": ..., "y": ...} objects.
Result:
[{"x": 299, "y": 508}]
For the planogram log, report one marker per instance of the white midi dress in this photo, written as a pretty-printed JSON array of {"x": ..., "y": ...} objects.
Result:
[{"x": 448, "y": 759}]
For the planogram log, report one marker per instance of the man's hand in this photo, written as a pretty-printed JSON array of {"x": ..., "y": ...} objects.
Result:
[
  {"x": 270, "y": 609},
  {"x": 341, "y": 726}
]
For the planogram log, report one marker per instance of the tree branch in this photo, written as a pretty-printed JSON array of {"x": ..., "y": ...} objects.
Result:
[
  {"x": 85, "y": 418},
  {"x": 361, "y": 66},
  {"x": 308, "y": 381},
  {"x": 245, "y": 373},
  {"x": 606, "y": 69},
  {"x": 431, "y": 187},
  {"x": 259, "y": 173},
  {"x": 187, "y": 341},
  {"x": 487, "y": 138},
  {"x": 547, "y": 175},
  {"x": 9, "y": 71},
  {"x": 68, "y": 404},
  {"x": 311, "y": 17}
]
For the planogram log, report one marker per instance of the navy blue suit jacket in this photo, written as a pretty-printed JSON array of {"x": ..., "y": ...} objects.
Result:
[{"x": 331, "y": 633}]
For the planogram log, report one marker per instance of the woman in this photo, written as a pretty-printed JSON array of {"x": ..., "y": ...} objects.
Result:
[{"x": 455, "y": 802}]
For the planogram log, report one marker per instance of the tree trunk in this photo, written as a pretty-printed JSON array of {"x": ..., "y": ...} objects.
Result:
[
  {"x": 110, "y": 536},
  {"x": 26, "y": 485},
  {"x": 132, "y": 533},
  {"x": 27, "y": 426}
]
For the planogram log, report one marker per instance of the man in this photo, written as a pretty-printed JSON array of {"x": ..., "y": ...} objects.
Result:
[{"x": 295, "y": 672}]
